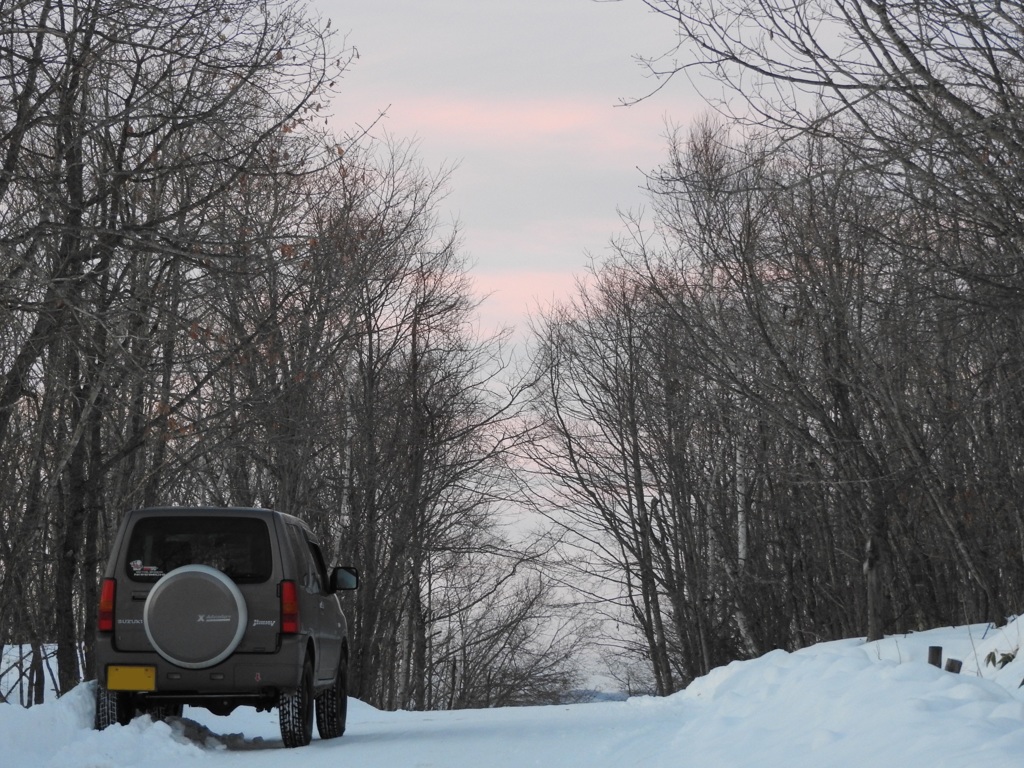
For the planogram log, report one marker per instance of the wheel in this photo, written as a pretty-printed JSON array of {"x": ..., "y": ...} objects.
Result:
[
  {"x": 332, "y": 705},
  {"x": 195, "y": 616},
  {"x": 295, "y": 710},
  {"x": 112, "y": 708},
  {"x": 164, "y": 711}
]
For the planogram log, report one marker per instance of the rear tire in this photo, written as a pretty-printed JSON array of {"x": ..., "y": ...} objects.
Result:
[
  {"x": 332, "y": 705},
  {"x": 295, "y": 711},
  {"x": 112, "y": 708}
]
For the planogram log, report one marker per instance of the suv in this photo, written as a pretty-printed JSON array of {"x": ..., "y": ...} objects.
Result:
[{"x": 218, "y": 608}]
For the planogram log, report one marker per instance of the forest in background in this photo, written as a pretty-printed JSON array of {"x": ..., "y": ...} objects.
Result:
[{"x": 789, "y": 408}]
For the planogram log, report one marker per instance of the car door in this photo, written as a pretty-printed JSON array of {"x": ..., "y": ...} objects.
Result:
[
  {"x": 329, "y": 609},
  {"x": 320, "y": 609}
]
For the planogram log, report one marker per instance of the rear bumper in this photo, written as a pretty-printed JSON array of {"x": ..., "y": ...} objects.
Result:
[{"x": 255, "y": 676}]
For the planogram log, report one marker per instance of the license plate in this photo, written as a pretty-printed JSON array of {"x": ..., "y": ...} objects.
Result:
[{"x": 131, "y": 678}]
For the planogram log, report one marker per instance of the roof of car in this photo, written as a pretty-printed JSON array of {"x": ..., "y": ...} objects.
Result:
[{"x": 211, "y": 510}]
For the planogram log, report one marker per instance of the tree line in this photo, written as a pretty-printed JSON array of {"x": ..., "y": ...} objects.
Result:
[
  {"x": 208, "y": 297},
  {"x": 788, "y": 406}
]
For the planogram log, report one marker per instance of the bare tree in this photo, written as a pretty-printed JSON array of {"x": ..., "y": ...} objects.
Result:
[{"x": 935, "y": 87}]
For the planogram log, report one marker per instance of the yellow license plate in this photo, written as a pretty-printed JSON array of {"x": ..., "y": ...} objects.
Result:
[{"x": 131, "y": 678}]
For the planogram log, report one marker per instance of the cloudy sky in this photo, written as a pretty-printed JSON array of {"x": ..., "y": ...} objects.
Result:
[{"x": 522, "y": 96}]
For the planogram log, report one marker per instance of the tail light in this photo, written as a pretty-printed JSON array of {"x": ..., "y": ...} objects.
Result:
[
  {"x": 289, "y": 608},
  {"x": 105, "y": 618}
]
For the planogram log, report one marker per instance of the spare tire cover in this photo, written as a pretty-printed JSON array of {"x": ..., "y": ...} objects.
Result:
[{"x": 195, "y": 616}]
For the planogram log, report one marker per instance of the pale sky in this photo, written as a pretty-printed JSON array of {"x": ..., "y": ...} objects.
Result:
[{"x": 522, "y": 96}]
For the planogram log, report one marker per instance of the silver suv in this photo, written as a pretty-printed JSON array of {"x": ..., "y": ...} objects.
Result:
[{"x": 219, "y": 608}]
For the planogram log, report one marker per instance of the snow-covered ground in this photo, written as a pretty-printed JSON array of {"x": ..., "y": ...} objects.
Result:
[{"x": 846, "y": 703}]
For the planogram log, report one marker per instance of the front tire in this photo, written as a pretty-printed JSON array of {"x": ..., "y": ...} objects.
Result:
[
  {"x": 165, "y": 711},
  {"x": 112, "y": 708},
  {"x": 332, "y": 705},
  {"x": 295, "y": 711}
]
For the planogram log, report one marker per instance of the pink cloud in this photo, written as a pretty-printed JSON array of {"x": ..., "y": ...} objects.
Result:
[
  {"x": 509, "y": 297},
  {"x": 496, "y": 119},
  {"x": 468, "y": 121}
]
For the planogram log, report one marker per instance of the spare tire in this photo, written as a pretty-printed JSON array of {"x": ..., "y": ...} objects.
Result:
[{"x": 195, "y": 616}]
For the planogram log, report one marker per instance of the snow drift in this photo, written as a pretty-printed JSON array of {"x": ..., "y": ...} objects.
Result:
[{"x": 845, "y": 703}]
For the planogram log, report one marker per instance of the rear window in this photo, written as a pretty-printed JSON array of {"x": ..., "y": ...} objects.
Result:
[{"x": 238, "y": 546}]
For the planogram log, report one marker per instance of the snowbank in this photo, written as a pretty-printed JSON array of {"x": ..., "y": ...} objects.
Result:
[{"x": 846, "y": 703}]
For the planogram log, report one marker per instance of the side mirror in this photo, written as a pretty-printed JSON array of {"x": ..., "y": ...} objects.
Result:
[{"x": 344, "y": 578}]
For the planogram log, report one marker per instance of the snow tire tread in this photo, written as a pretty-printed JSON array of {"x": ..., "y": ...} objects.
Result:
[
  {"x": 112, "y": 708},
  {"x": 296, "y": 711},
  {"x": 332, "y": 706}
]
